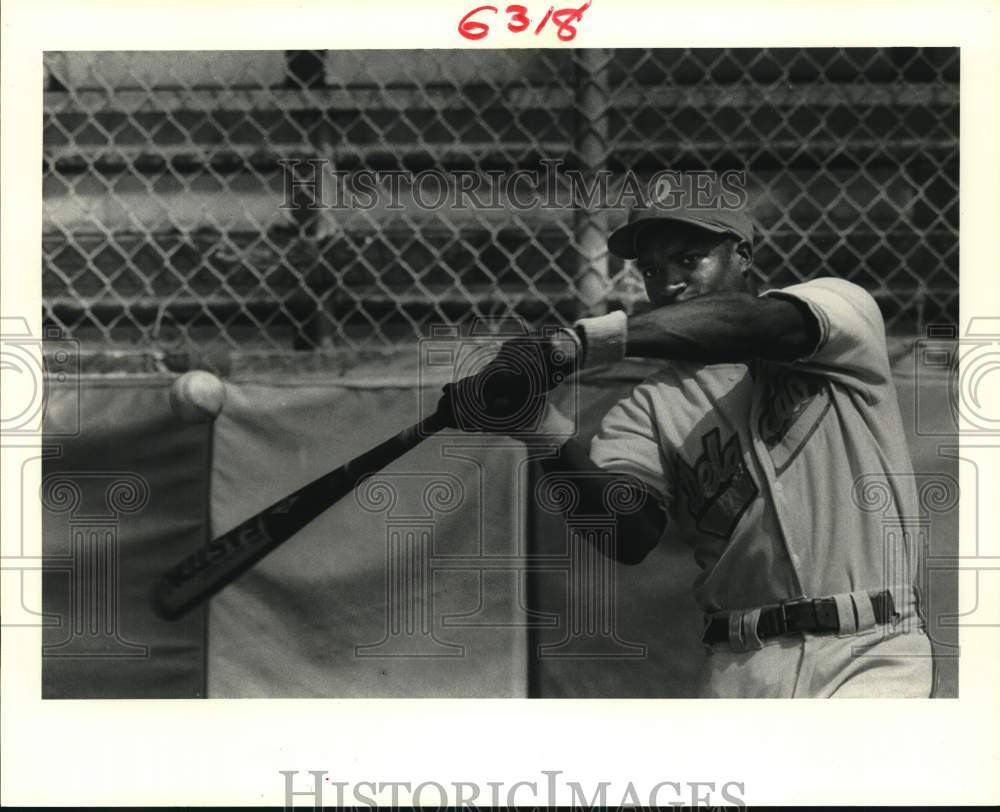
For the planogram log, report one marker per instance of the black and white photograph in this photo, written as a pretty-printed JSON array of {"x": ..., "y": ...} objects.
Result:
[
  {"x": 644, "y": 332},
  {"x": 553, "y": 371}
]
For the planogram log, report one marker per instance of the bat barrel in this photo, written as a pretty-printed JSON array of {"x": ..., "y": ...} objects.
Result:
[{"x": 202, "y": 574}]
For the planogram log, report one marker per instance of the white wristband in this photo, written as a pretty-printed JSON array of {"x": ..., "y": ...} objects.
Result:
[{"x": 604, "y": 338}]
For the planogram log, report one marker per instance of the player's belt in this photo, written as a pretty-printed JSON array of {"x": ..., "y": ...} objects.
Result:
[{"x": 818, "y": 616}]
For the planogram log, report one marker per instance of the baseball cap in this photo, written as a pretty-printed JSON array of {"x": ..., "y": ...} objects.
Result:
[{"x": 737, "y": 222}]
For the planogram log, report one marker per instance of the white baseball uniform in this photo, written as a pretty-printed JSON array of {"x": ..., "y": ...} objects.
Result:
[{"x": 789, "y": 480}]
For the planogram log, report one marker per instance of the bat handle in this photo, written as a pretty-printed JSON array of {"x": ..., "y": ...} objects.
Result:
[{"x": 431, "y": 424}]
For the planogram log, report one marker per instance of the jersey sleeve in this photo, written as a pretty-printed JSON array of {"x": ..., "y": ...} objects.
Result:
[
  {"x": 850, "y": 346},
  {"x": 628, "y": 442}
]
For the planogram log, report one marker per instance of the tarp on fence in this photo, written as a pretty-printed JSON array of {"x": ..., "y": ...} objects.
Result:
[{"x": 123, "y": 499}]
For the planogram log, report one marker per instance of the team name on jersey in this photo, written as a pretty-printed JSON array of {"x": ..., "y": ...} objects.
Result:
[
  {"x": 718, "y": 487},
  {"x": 788, "y": 397},
  {"x": 795, "y": 406}
]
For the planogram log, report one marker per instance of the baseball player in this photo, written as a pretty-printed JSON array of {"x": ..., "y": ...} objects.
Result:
[{"x": 769, "y": 441}]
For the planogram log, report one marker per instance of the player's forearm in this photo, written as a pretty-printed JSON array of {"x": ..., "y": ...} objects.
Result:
[
  {"x": 711, "y": 329},
  {"x": 720, "y": 328},
  {"x": 640, "y": 521}
]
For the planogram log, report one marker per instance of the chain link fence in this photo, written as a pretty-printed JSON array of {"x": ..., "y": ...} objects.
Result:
[{"x": 183, "y": 217}]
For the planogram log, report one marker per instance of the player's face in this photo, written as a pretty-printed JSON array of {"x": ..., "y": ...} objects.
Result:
[{"x": 681, "y": 262}]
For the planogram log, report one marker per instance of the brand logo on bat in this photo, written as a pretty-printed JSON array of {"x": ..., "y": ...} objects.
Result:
[
  {"x": 249, "y": 536},
  {"x": 718, "y": 486}
]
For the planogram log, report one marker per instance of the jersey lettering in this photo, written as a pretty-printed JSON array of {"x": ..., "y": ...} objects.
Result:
[
  {"x": 718, "y": 487},
  {"x": 794, "y": 406}
]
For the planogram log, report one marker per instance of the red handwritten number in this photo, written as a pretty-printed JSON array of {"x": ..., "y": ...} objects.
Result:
[
  {"x": 518, "y": 18},
  {"x": 473, "y": 29},
  {"x": 565, "y": 18},
  {"x": 545, "y": 19}
]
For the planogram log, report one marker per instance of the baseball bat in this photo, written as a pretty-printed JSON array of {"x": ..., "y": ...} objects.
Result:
[{"x": 202, "y": 574}]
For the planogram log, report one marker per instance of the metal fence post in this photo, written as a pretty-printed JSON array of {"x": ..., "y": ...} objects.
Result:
[{"x": 590, "y": 226}]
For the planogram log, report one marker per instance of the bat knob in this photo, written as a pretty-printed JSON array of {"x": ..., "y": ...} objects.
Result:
[{"x": 164, "y": 601}]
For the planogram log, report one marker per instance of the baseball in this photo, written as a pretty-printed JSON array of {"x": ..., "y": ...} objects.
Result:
[{"x": 197, "y": 396}]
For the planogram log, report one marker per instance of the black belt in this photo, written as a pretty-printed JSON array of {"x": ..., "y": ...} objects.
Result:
[{"x": 817, "y": 615}]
